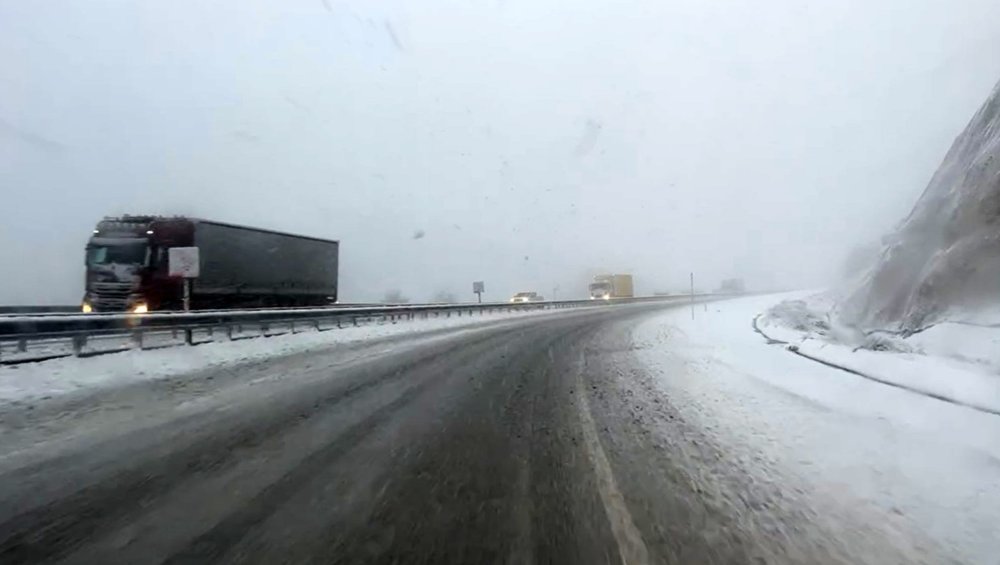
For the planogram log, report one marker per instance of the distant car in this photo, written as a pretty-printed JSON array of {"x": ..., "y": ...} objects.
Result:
[{"x": 527, "y": 297}]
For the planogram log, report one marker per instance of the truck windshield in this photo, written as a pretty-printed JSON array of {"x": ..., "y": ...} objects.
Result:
[{"x": 122, "y": 254}]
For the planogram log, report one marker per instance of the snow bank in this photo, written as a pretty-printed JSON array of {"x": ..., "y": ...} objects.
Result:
[
  {"x": 955, "y": 362},
  {"x": 972, "y": 344}
]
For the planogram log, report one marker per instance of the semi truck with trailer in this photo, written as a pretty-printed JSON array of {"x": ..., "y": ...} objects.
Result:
[
  {"x": 607, "y": 287},
  {"x": 127, "y": 266}
]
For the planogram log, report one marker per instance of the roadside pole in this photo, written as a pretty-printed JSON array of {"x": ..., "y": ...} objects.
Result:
[
  {"x": 187, "y": 294},
  {"x": 692, "y": 295}
]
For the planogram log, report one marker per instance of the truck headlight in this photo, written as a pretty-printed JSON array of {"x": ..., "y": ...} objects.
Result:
[
  {"x": 140, "y": 308},
  {"x": 87, "y": 308}
]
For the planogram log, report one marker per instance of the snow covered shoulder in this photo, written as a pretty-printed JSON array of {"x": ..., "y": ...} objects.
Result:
[
  {"x": 875, "y": 466},
  {"x": 955, "y": 361}
]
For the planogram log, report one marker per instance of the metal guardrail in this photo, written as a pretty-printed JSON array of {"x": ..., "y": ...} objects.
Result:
[
  {"x": 10, "y": 310},
  {"x": 7, "y": 311},
  {"x": 49, "y": 334}
]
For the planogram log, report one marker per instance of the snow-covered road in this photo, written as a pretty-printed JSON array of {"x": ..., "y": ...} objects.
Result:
[
  {"x": 32, "y": 383},
  {"x": 888, "y": 463},
  {"x": 631, "y": 434}
]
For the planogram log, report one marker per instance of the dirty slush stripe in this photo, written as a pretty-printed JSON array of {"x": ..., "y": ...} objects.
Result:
[{"x": 631, "y": 548}]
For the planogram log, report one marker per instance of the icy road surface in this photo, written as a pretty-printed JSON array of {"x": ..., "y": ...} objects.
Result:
[
  {"x": 33, "y": 382},
  {"x": 607, "y": 435}
]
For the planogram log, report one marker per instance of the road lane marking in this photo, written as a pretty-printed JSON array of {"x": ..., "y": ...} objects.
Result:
[{"x": 631, "y": 548}]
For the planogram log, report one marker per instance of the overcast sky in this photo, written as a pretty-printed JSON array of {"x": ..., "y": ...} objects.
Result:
[{"x": 533, "y": 142}]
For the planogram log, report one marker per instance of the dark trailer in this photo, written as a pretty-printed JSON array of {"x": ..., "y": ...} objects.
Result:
[{"x": 240, "y": 266}]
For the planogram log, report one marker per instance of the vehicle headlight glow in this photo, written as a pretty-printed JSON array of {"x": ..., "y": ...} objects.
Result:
[
  {"x": 87, "y": 308},
  {"x": 140, "y": 308}
]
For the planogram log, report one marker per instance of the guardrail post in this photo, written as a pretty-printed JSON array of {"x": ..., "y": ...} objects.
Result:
[
  {"x": 355, "y": 320},
  {"x": 229, "y": 333},
  {"x": 263, "y": 329},
  {"x": 291, "y": 327},
  {"x": 22, "y": 345},
  {"x": 189, "y": 336},
  {"x": 79, "y": 340},
  {"x": 137, "y": 339}
]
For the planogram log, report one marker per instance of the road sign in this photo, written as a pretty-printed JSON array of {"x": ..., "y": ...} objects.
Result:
[
  {"x": 478, "y": 287},
  {"x": 183, "y": 262}
]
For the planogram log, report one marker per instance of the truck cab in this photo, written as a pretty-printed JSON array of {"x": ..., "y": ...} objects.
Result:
[
  {"x": 601, "y": 290},
  {"x": 126, "y": 264}
]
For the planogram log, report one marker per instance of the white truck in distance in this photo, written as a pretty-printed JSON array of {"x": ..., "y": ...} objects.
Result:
[{"x": 607, "y": 287}]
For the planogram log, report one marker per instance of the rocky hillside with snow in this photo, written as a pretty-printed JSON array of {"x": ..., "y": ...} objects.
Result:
[{"x": 943, "y": 262}]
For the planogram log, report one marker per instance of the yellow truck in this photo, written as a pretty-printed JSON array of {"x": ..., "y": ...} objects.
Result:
[{"x": 607, "y": 287}]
